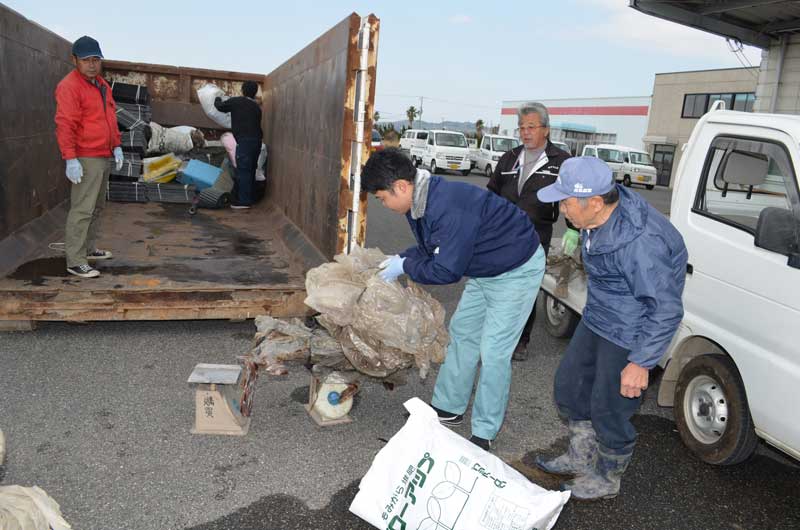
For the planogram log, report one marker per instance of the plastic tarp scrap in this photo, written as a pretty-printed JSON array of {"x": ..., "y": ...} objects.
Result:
[
  {"x": 207, "y": 94},
  {"x": 383, "y": 326},
  {"x": 29, "y": 509},
  {"x": 278, "y": 342}
]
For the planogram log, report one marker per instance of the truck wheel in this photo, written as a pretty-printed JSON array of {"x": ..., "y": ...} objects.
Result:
[
  {"x": 465, "y": 172},
  {"x": 711, "y": 411},
  {"x": 560, "y": 321},
  {"x": 433, "y": 167},
  {"x": 626, "y": 181},
  {"x": 488, "y": 170},
  {"x": 649, "y": 186}
]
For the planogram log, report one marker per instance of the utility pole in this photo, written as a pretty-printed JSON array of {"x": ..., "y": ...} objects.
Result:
[{"x": 421, "y": 98}]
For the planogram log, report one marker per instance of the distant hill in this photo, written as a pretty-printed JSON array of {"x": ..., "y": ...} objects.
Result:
[{"x": 461, "y": 126}]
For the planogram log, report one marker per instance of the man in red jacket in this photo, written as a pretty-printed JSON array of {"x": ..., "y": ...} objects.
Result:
[{"x": 87, "y": 132}]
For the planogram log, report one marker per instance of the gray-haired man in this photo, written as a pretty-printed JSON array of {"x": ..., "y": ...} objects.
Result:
[{"x": 523, "y": 171}]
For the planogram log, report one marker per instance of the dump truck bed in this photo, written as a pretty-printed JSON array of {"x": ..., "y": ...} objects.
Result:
[
  {"x": 317, "y": 108},
  {"x": 169, "y": 265}
]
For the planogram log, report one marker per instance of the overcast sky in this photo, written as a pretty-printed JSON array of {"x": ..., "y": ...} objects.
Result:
[{"x": 463, "y": 56}]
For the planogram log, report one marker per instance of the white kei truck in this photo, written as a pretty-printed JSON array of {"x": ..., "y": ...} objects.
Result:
[
  {"x": 441, "y": 151},
  {"x": 732, "y": 370}
]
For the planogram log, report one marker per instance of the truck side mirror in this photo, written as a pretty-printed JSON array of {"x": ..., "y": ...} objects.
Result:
[{"x": 778, "y": 230}]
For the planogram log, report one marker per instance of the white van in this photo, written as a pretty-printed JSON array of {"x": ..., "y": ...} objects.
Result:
[
  {"x": 443, "y": 150},
  {"x": 630, "y": 166},
  {"x": 492, "y": 147},
  {"x": 413, "y": 138}
]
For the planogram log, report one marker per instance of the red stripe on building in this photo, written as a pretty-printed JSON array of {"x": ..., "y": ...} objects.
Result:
[{"x": 619, "y": 110}]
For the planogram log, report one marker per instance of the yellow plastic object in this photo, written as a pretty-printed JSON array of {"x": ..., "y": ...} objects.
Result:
[{"x": 161, "y": 169}]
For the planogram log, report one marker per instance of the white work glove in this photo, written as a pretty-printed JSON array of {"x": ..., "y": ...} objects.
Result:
[
  {"x": 74, "y": 170},
  {"x": 118, "y": 157},
  {"x": 391, "y": 268}
]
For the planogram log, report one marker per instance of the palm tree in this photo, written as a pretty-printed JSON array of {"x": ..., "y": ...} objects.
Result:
[
  {"x": 479, "y": 130},
  {"x": 411, "y": 114},
  {"x": 376, "y": 117}
]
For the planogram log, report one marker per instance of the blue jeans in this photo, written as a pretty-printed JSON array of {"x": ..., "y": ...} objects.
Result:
[
  {"x": 587, "y": 387},
  {"x": 486, "y": 327},
  {"x": 247, "y": 151}
]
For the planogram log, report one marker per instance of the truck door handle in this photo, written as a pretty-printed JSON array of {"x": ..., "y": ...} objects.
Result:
[{"x": 689, "y": 268}]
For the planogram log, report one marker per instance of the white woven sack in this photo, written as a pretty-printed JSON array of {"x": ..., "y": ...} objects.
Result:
[{"x": 428, "y": 477}]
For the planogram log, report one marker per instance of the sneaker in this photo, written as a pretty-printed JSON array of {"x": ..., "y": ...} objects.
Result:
[
  {"x": 99, "y": 254},
  {"x": 448, "y": 418},
  {"x": 483, "y": 443},
  {"x": 240, "y": 206},
  {"x": 84, "y": 271}
]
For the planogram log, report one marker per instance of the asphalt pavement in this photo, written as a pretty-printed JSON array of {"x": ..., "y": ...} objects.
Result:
[{"x": 98, "y": 415}]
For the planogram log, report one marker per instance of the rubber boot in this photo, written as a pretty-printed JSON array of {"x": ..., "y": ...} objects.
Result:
[
  {"x": 603, "y": 481},
  {"x": 580, "y": 456}
]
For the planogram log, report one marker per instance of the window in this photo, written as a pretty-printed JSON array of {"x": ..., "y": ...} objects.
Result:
[
  {"x": 610, "y": 155},
  {"x": 643, "y": 159},
  {"x": 451, "y": 140},
  {"x": 422, "y": 136},
  {"x": 504, "y": 144},
  {"x": 485, "y": 144},
  {"x": 742, "y": 177},
  {"x": 430, "y": 140},
  {"x": 695, "y": 105}
]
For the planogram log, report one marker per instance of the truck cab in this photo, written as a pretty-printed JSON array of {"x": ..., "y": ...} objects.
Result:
[
  {"x": 733, "y": 367},
  {"x": 493, "y": 147},
  {"x": 630, "y": 165},
  {"x": 443, "y": 150}
]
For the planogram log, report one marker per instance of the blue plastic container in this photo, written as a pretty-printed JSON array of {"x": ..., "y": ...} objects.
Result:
[{"x": 200, "y": 174}]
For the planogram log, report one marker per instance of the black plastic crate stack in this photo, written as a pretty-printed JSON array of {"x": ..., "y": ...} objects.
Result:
[
  {"x": 133, "y": 115},
  {"x": 171, "y": 192}
]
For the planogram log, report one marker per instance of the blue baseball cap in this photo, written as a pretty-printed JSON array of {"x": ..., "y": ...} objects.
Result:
[
  {"x": 581, "y": 177},
  {"x": 86, "y": 47}
]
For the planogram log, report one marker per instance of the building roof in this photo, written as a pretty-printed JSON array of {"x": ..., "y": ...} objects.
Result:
[{"x": 754, "y": 22}]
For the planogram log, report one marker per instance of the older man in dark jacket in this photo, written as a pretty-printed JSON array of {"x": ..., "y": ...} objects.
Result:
[
  {"x": 635, "y": 263},
  {"x": 523, "y": 171},
  {"x": 462, "y": 230}
]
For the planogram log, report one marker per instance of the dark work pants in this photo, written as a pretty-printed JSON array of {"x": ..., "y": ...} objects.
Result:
[
  {"x": 247, "y": 151},
  {"x": 545, "y": 233},
  {"x": 587, "y": 387}
]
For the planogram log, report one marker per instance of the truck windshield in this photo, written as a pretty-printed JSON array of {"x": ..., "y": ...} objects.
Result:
[
  {"x": 641, "y": 159},
  {"x": 609, "y": 155},
  {"x": 451, "y": 140},
  {"x": 504, "y": 144}
]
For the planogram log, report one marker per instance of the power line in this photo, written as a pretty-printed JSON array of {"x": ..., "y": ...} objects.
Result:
[{"x": 494, "y": 107}]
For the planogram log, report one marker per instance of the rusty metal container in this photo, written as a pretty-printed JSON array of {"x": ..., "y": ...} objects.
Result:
[{"x": 169, "y": 264}]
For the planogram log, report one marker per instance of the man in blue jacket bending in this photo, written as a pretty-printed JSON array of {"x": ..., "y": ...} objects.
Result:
[
  {"x": 635, "y": 263},
  {"x": 462, "y": 230}
]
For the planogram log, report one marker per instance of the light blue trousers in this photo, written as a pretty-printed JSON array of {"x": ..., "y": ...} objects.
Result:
[{"x": 486, "y": 327}]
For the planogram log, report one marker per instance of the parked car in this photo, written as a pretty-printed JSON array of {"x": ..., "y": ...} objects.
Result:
[
  {"x": 733, "y": 368},
  {"x": 377, "y": 141},
  {"x": 443, "y": 150},
  {"x": 413, "y": 138},
  {"x": 630, "y": 166},
  {"x": 492, "y": 147},
  {"x": 561, "y": 145}
]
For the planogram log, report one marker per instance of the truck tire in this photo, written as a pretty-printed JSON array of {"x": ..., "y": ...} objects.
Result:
[
  {"x": 465, "y": 172},
  {"x": 626, "y": 181},
  {"x": 711, "y": 411},
  {"x": 559, "y": 320},
  {"x": 488, "y": 171},
  {"x": 433, "y": 167},
  {"x": 650, "y": 186}
]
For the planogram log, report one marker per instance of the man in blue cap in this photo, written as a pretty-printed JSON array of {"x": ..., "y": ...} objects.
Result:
[
  {"x": 635, "y": 263},
  {"x": 88, "y": 135}
]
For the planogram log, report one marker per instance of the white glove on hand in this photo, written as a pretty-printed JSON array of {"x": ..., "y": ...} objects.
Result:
[
  {"x": 74, "y": 170},
  {"x": 118, "y": 157},
  {"x": 391, "y": 268}
]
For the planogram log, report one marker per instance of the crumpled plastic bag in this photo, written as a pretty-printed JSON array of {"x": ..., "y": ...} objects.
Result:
[
  {"x": 29, "y": 509},
  {"x": 383, "y": 326},
  {"x": 280, "y": 341},
  {"x": 207, "y": 94}
]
